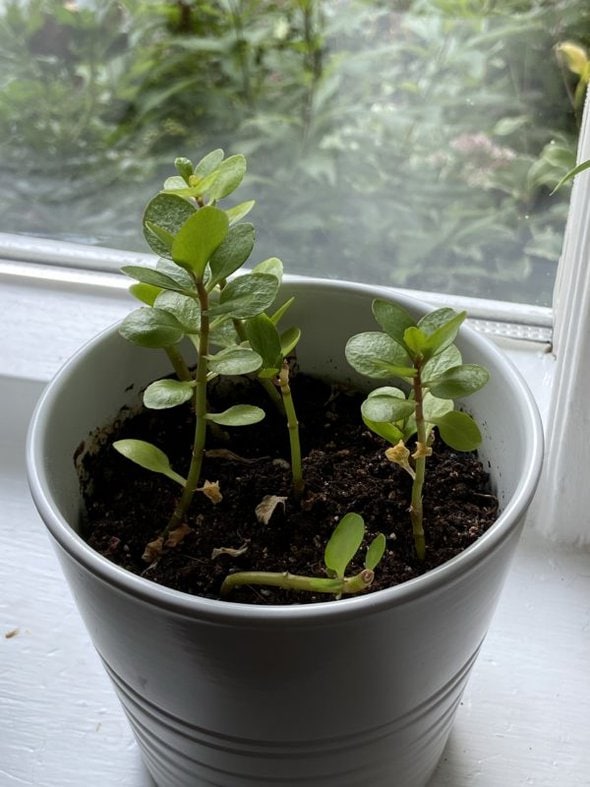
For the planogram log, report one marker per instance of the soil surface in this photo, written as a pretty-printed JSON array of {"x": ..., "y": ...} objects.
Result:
[{"x": 345, "y": 469}]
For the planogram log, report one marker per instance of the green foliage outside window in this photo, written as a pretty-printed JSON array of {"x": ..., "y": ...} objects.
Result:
[{"x": 413, "y": 143}]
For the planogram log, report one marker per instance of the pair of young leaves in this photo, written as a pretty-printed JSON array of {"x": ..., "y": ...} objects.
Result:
[
  {"x": 345, "y": 542},
  {"x": 417, "y": 352}
]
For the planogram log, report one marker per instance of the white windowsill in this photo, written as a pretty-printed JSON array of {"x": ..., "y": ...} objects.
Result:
[
  {"x": 524, "y": 717},
  {"x": 50, "y": 309}
]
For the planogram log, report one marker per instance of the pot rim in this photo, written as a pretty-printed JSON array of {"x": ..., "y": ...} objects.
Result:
[{"x": 305, "y": 614}]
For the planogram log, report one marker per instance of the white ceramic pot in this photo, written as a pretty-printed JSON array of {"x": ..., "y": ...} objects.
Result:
[{"x": 355, "y": 693}]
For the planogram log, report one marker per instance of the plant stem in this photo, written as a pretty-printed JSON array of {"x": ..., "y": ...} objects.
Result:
[
  {"x": 178, "y": 363},
  {"x": 287, "y": 581},
  {"x": 416, "y": 511},
  {"x": 293, "y": 427},
  {"x": 270, "y": 389},
  {"x": 273, "y": 394},
  {"x": 200, "y": 404}
]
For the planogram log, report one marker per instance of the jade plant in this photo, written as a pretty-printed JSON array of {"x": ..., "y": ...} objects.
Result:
[
  {"x": 424, "y": 357},
  {"x": 188, "y": 295},
  {"x": 197, "y": 294}
]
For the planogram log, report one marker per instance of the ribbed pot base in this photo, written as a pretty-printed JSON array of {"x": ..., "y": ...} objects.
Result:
[{"x": 403, "y": 753}]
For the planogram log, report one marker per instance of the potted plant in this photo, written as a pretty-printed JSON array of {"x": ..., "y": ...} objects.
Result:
[{"x": 355, "y": 691}]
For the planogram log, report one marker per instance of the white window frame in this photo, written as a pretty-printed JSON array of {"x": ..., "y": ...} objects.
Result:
[{"x": 562, "y": 504}]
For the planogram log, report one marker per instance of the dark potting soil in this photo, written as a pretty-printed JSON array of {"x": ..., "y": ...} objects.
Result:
[{"x": 345, "y": 469}]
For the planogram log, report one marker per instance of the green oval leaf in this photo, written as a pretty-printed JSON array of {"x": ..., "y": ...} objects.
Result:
[
  {"x": 272, "y": 265},
  {"x": 459, "y": 431},
  {"x": 231, "y": 254},
  {"x": 265, "y": 340},
  {"x": 440, "y": 363},
  {"x": 392, "y": 318},
  {"x": 344, "y": 543},
  {"x": 185, "y": 309},
  {"x": 154, "y": 277},
  {"x": 162, "y": 394},
  {"x": 247, "y": 296},
  {"x": 289, "y": 341},
  {"x": 388, "y": 409},
  {"x": 387, "y": 390},
  {"x": 209, "y": 163},
  {"x": 377, "y": 355},
  {"x": 238, "y": 212},
  {"x": 149, "y": 457},
  {"x": 228, "y": 176},
  {"x": 146, "y": 293},
  {"x": 223, "y": 333},
  {"x": 163, "y": 217},
  {"x": 198, "y": 238},
  {"x": 387, "y": 431},
  {"x": 433, "y": 320},
  {"x": 158, "y": 237},
  {"x": 175, "y": 183},
  {"x": 445, "y": 334},
  {"x": 182, "y": 278},
  {"x": 459, "y": 381},
  {"x": 151, "y": 328},
  {"x": 235, "y": 360},
  {"x": 238, "y": 415},
  {"x": 375, "y": 551},
  {"x": 433, "y": 407}
]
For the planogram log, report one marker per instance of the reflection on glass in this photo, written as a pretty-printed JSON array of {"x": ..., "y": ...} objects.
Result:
[{"x": 413, "y": 143}]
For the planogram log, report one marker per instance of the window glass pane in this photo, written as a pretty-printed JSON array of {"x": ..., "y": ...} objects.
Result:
[{"x": 405, "y": 142}]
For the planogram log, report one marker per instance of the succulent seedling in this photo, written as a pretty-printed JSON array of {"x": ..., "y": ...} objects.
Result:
[
  {"x": 188, "y": 295},
  {"x": 343, "y": 545},
  {"x": 423, "y": 355}
]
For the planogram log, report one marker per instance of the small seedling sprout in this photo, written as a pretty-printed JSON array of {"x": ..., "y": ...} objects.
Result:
[
  {"x": 343, "y": 545},
  {"x": 423, "y": 355}
]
